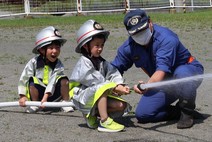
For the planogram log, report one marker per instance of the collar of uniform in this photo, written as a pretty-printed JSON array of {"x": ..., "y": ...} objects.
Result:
[{"x": 41, "y": 63}]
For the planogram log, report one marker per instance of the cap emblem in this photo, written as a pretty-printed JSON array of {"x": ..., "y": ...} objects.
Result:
[{"x": 134, "y": 20}]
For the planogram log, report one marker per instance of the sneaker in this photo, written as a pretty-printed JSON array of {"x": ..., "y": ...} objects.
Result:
[
  {"x": 91, "y": 121},
  {"x": 110, "y": 126},
  {"x": 68, "y": 109},
  {"x": 32, "y": 109}
]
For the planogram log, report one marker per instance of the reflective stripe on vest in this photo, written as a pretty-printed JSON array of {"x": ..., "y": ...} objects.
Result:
[
  {"x": 35, "y": 81},
  {"x": 100, "y": 91},
  {"x": 46, "y": 74},
  {"x": 71, "y": 88}
]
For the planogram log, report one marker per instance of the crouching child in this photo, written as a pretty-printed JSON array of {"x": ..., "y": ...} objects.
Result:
[
  {"x": 43, "y": 78},
  {"x": 96, "y": 84}
]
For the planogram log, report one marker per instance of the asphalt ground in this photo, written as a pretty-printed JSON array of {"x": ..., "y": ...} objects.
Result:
[{"x": 16, "y": 125}]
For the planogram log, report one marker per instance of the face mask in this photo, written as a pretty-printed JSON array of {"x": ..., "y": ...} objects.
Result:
[{"x": 142, "y": 37}]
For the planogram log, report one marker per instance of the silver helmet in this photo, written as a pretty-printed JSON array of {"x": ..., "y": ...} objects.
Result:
[
  {"x": 87, "y": 31},
  {"x": 46, "y": 36}
]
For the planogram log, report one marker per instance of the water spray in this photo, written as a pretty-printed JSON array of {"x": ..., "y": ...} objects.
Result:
[{"x": 142, "y": 86}]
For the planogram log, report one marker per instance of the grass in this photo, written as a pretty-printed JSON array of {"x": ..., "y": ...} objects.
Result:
[
  {"x": 62, "y": 21},
  {"x": 200, "y": 18}
]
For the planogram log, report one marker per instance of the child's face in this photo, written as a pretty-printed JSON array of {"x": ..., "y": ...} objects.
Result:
[
  {"x": 96, "y": 46},
  {"x": 52, "y": 52}
]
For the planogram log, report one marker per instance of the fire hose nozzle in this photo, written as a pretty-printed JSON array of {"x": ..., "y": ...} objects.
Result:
[{"x": 141, "y": 86}]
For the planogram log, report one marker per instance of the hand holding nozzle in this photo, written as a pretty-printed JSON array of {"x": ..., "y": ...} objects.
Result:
[{"x": 141, "y": 86}]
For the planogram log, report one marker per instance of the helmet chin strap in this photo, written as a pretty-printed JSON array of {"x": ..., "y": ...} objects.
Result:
[
  {"x": 88, "y": 49},
  {"x": 45, "y": 58},
  {"x": 89, "y": 52},
  {"x": 44, "y": 55}
]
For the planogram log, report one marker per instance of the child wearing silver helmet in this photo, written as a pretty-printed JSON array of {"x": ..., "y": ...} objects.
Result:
[
  {"x": 96, "y": 84},
  {"x": 42, "y": 78}
]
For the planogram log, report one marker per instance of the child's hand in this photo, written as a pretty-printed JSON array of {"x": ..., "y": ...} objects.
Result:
[
  {"x": 45, "y": 97},
  {"x": 22, "y": 100},
  {"x": 122, "y": 89}
]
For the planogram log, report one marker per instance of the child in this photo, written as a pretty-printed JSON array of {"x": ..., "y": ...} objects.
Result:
[
  {"x": 96, "y": 84},
  {"x": 42, "y": 78}
]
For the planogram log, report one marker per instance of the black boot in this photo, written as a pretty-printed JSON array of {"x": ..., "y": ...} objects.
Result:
[
  {"x": 186, "y": 118},
  {"x": 186, "y": 121}
]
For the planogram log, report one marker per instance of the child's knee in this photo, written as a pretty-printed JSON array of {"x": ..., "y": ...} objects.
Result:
[
  {"x": 32, "y": 88},
  {"x": 122, "y": 105},
  {"x": 64, "y": 82}
]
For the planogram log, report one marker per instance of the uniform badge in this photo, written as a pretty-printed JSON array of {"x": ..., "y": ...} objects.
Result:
[{"x": 97, "y": 26}]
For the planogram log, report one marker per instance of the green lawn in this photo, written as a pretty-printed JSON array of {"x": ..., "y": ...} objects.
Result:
[{"x": 201, "y": 18}]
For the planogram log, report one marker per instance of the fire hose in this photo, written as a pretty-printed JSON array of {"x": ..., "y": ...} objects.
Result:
[
  {"x": 36, "y": 103},
  {"x": 142, "y": 86}
]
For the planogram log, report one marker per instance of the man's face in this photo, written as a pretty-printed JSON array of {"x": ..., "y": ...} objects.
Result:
[{"x": 142, "y": 37}]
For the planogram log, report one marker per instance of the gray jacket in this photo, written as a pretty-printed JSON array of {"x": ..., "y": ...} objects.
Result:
[
  {"x": 35, "y": 68},
  {"x": 92, "y": 81}
]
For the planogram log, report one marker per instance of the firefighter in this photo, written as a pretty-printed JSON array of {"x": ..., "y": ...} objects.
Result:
[{"x": 159, "y": 52}]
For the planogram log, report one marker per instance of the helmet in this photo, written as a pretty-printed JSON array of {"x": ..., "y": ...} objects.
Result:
[
  {"x": 46, "y": 36},
  {"x": 87, "y": 31}
]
